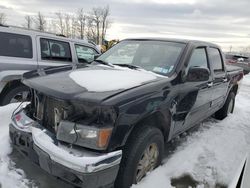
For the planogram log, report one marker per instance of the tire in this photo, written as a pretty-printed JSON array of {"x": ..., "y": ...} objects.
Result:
[
  {"x": 245, "y": 72},
  {"x": 12, "y": 92},
  {"x": 133, "y": 153},
  {"x": 227, "y": 108}
]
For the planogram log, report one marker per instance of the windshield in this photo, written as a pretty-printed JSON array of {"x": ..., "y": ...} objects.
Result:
[{"x": 156, "y": 56}]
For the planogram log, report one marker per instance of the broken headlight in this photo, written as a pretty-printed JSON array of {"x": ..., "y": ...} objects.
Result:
[
  {"x": 82, "y": 135},
  {"x": 90, "y": 128}
]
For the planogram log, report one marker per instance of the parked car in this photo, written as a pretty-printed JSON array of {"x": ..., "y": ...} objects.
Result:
[
  {"x": 239, "y": 61},
  {"x": 23, "y": 50},
  {"x": 106, "y": 123}
]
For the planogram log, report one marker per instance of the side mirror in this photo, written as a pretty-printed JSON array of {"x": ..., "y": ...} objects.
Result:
[
  {"x": 82, "y": 60},
  {"x": 198, "y": 74}
]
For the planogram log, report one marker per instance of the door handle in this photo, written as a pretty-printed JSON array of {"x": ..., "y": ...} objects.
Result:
[
  {"x": 210, "y": 84},
  {"x": 224, "y": 79}
]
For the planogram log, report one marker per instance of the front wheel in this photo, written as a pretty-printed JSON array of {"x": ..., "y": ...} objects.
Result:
[
  {"x": 227, "y": 108},
  {"x": 141, "y": 154}
]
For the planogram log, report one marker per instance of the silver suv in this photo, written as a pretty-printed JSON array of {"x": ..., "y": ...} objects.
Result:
[{"x": 23, "y": 50}]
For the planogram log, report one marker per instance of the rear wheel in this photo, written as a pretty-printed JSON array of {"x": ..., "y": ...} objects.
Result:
[
  {"x": 142, "y": 154},
  {"x": 18, "y": 94},
  {"x": 227, "y": 108}
]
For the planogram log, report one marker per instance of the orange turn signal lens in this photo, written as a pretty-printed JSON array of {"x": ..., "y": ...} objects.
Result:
[{"x": 104, "y": 135}]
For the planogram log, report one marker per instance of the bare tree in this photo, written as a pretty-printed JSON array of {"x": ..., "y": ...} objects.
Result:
[
  {"x": 96, "y": 16},
  {"x": 60, "y": 23},
  {"x": 91, "y": 30},
  {"x": 67, "y": 25},
  {"x": 81, "y": 18},
  {"x": 40, "y": 22},
  {"x": 99, "y": 18},
  {"x": 74, "y": 25},
  {"x": 93, "y": 25},
  {"x": 105, "y": 22},
  {"x": 28, "y": 22},
  {"x": 3, "y": 18},
  {"x": 52, "y": 26}
]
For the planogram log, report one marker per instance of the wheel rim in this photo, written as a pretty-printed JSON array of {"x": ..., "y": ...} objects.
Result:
[
  {"x": 147, "y": 162},
  {"x": 20, "y": 97},
  {"x": 230, "y": 106}
]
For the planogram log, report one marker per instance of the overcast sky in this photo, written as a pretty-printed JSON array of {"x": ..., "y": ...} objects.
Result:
[{"x": 225, "y": 22}]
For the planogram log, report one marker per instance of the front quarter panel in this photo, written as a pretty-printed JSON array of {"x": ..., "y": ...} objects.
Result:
[{"x": 146, "y": 102}]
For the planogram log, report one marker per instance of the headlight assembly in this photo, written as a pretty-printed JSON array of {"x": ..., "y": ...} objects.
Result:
[{"x": 82, "y": 135}]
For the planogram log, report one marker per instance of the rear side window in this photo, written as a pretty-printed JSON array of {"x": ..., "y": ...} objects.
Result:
[
  {"x": 215, "y": 59},
  {"x": 198, "y": 58},
  {"x": 84, "y": 53},
  {"x": 55, "y": 50},
  {"x": 15, "y": 45}
]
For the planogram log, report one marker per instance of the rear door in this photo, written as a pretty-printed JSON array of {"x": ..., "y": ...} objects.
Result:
[
  {"x": 220, "y": 81},
  {"x": 54, "y": 52}
]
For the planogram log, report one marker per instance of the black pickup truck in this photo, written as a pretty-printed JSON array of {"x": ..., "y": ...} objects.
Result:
[{"x": 105, "y": 124}]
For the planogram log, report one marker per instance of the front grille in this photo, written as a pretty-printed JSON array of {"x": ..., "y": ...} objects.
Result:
[
  {"x": 55, "y": 111},
  {"x": 49, "y": 111}
]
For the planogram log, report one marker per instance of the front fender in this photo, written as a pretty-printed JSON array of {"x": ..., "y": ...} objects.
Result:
[
  {"x": 10, "y": 75},
  {"x": 161, "y": 119},
  {"x": 152, "y": 111}
]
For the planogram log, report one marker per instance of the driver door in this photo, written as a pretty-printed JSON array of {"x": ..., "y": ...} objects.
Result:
[{"x": 195, "y": 97}]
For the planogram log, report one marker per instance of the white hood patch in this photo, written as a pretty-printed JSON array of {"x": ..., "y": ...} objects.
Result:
[{"x": 109, "y": 80}]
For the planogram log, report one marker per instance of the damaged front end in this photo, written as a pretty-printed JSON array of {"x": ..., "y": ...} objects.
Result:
[
  {"x": 70, "y": 136},
  {"x": 83, "y": 124}
]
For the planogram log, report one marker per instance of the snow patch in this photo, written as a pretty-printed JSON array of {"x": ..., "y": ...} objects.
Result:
[
  {"x": 211, "y": 155},
  {"x": 109, "y": 80},
  {"x": 10, "y": 177}
]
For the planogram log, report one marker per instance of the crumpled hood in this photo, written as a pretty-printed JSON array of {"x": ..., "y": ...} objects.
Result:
[{"x": 91, "y": 83}]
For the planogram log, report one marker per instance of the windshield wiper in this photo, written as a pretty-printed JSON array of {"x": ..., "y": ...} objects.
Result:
[
  {"x": 103, "y": 62},
  {"x": 121, "y": 65},
  {"x": 128, "y": 66}
]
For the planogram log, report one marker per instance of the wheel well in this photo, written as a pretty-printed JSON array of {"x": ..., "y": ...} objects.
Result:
[
  {"x": 10, "y": 85},
  {"x": 157, "y": 120}
]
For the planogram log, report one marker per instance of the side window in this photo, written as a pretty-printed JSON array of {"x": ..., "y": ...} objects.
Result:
[
  {"x": 55, "y": 50},
  {"x": 15, "y": 45},
  {"x": 215, "y": 59},
  {"x": 198, "y": 58},
  {"x": 85, "y": 53}
]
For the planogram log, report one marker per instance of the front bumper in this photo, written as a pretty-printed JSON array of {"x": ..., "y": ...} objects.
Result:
[{"x": 77, "y": 166}]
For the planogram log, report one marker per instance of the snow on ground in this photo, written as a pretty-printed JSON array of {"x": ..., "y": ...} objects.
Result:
[
  {"x": 211, "y": 155},
  {"x": 208, "y": 156},
  {"x": 10, "y": 177}
]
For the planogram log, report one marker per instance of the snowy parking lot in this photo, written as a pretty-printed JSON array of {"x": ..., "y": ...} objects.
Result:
[{"x": 207, "y": 156}]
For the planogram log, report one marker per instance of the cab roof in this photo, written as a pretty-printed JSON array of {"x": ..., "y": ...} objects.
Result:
[{"x": 184, "y": 41}]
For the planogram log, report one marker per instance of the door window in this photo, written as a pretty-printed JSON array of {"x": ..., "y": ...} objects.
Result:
[
  {"x": 15, "y": 45},
  {"x": 216, "y": 61},
  {"x": 55, "y": 50},
  {"x": 198, "y": 58},
  {"x": 84, "y": 53}
]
